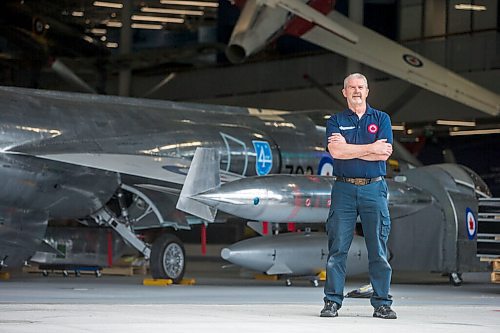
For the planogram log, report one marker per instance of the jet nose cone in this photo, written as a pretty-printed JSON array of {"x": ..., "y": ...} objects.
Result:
[
  {"x": 225, "y": 253},
  {"x": 247, "y": 254}
]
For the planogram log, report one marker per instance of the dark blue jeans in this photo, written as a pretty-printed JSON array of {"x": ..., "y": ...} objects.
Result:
[{"x": 370, "y": 203}]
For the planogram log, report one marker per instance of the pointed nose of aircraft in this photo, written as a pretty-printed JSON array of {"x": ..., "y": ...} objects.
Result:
[{"x": 251, "y": 257}]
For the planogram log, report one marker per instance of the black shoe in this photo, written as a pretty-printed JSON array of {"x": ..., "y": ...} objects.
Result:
[
  {"x": 385, "y": 312},
  {"x": 330, "y": 309}
]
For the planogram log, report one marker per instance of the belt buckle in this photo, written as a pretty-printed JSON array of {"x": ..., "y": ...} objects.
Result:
[{"x": 359, "y": 181}]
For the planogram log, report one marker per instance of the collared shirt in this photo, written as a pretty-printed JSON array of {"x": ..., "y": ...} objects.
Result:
[{"x": 373, "y": 125}]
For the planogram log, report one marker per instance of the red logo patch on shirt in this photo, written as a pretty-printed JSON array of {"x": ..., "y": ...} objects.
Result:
[{"x": 372, "y": 128}]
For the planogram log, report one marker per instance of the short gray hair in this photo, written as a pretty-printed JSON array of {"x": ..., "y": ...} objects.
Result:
[{"x": 355, "y": 76}]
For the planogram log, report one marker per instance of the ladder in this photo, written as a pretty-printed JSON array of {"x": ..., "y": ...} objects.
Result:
[{"x": 488, "y": 235}]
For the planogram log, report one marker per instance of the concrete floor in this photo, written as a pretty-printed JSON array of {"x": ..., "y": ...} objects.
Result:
[{"x": 228, "y": 300}]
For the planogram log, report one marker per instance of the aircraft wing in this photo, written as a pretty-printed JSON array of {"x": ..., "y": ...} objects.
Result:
[
  {"x": 168, "y": 169},
  {"x": 381, "y": 53},
  {"x": 335, "y": 32}
]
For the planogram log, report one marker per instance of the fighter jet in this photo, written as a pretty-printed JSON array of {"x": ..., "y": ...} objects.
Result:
[
  {"x": 262, "y": 21},
  {"x": 121, "y": 162}
]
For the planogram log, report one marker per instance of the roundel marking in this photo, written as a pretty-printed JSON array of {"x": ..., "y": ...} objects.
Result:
[
  {"x": 412, "y": 60},
  {"x": 372, "y": 128},
  {"x": 470, "y": 222},
  {"x": 325, "y": 167}
]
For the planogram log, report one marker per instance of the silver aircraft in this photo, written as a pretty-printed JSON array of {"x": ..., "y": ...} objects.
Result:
[{"x": 121, "y": 162}]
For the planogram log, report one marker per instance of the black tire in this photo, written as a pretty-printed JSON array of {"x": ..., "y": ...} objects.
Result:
[{"x": 168, "y": 258}]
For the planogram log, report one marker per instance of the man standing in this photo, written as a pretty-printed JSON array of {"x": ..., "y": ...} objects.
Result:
[{"x": 360, "y": 141}]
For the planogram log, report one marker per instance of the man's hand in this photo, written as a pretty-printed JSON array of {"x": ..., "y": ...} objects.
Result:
[
  {"x": 381, "y": 147},
  {"x": 337, "y": 138},
  {"x": 380, "y": 150}
]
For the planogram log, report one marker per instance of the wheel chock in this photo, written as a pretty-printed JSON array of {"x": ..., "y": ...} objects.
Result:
[
  {"x": 266, "y": 277},
  {"x": 157, "y": 282},
  {"x": 188, "y": 282}
]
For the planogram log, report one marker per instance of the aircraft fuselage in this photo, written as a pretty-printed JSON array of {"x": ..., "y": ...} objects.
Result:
[{"x": 52, "y": 144}]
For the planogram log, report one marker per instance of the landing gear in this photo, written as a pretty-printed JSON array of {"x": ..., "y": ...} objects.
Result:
[
  {"x": 314, "y": 282},
  {"x": 456, "y": 279},
  {"x": 168, "y": 258},
  {"x": 166, "y": 254}
]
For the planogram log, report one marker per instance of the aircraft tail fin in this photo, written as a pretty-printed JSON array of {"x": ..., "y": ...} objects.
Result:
[{"x": 203, "y": 175}]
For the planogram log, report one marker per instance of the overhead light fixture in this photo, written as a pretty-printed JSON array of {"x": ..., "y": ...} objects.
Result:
[
  {"x": 468, "y": 6},
  {"x": 107, "y": 4},
  {"x": 147, "y": 26},
  {"x": 112, "y": 45},
  {"x": 98, "y": 31},
  {"x": 476, "y": 132},
  {"x": 157, "y": 19},
  {"x": 114, "y": 24},
  {"x": 88, "y": 39},
  {"x": 455, "y": 122},
  {"x": 171, "y": 11},
  {"x": 398, "y": 127},
  {"x": 190, "y": 3},
  {"x": 77, "y": 13}
]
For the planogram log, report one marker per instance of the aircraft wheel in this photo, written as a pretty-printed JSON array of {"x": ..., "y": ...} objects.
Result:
[
  {"x": 65, "y": 273},
  {"x": 314, "y": 283},
  {"x": 168, "y": 258},
  {"x": 98, "y": 273},
  {"x": 77, "y": 273},
  {"x": 45, "y": 273},
  {"x": 456, "y": 279},
  {"x": 288, "y": 282}
]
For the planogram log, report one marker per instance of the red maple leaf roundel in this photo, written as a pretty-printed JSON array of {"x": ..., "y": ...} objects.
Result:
[{"x": 372, "y": 128}]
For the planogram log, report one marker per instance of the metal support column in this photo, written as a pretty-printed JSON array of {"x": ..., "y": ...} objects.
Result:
[
  {"x": 125, "y": 47},
  {"x": 356, "y": 9}
]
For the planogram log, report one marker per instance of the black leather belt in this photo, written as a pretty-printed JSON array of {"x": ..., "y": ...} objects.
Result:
[{"x": 359, "y": 181}]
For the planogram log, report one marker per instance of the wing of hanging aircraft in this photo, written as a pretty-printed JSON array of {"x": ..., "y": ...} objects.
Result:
[{"x": 315, "y": 21}]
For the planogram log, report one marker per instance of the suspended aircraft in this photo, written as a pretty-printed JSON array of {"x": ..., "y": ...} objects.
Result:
[{"x": 262, "y": 21}]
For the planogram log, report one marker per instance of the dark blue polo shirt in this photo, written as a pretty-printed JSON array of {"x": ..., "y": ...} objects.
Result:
[{"x": 373, "y": 125}]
